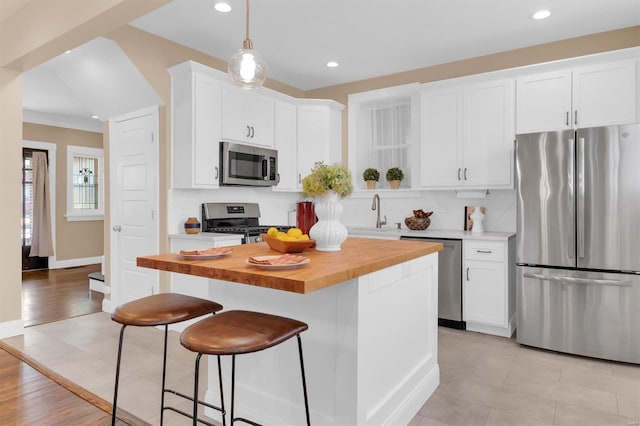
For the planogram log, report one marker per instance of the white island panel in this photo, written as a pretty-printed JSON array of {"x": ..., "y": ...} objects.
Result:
[{"x": 370, "y": 352}]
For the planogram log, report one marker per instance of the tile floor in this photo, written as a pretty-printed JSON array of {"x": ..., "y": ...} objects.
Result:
[{"x": 485, "y": 380}]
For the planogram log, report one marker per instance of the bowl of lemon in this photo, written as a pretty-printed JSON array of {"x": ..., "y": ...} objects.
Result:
[{"x": 292, "y": 241}]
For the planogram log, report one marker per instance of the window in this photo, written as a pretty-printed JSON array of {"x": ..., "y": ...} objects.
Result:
[
  {"x": 384, "y": 133},
  {"x": 85, "y": 189}
]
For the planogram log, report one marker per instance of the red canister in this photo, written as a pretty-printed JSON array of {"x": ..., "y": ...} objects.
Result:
[{"x": 305, "y": 216}]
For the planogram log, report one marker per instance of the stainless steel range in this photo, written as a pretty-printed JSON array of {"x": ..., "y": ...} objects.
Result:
[{"x": 236, "y": 218}]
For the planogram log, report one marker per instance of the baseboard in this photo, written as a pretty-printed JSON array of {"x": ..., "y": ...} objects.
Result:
[
  {"x": 97, "y": 285},
  {"x": 11, "y": 328},
  {"x": 412, "y": 405},
  {"x": 71, "y": 263},
  {"x": 106, "y": 306}
]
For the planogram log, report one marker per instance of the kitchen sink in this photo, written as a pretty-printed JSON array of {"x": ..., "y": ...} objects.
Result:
[{"x": 373, "y": 232}]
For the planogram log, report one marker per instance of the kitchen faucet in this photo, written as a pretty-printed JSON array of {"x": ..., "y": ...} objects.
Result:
[{"x": 376, "y": 206}]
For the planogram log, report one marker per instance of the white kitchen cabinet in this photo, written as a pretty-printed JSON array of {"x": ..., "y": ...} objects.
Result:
[
  {"x": 597, "y": 95},
  {"x": 247, "y": 116},
  {"x": 488, "y": 303},
  {"x": 286, "y": 142},
  {"x": 319, "y": 135},
  {"x": 196, "y": 126},
  {"x": 467, "y": 136}
]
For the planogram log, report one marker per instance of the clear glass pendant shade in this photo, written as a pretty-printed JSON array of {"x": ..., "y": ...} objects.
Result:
[{"x": 247, "y": 69}]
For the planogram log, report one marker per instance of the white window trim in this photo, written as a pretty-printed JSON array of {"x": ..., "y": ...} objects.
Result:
[{"x": 77, "y": 214}]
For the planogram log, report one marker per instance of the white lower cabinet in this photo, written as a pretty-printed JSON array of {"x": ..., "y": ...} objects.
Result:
[{"x": 488, "y": 303}]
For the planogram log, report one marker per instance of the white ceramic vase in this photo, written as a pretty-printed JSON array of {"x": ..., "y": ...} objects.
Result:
[
  {"x": 328, "y": 232},
  {"x": 478, "y": 220}
]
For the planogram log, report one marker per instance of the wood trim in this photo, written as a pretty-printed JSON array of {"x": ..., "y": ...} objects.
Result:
[{"x": 91, "y": 398}]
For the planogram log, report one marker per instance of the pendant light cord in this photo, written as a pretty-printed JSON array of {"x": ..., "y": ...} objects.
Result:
[{"x": 247, "y": 26}]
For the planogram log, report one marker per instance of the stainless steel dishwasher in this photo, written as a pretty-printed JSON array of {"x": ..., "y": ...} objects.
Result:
[{"x": 449, "y": 281}]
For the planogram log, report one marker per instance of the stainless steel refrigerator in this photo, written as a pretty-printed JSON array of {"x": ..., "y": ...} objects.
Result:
[{"x": 578, "y": 241}]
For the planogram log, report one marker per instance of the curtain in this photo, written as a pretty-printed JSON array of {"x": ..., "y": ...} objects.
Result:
[{"x": 41, "y": 241}]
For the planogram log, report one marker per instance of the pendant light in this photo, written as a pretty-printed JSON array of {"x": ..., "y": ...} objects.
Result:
[{"x": 247, "y": 68}]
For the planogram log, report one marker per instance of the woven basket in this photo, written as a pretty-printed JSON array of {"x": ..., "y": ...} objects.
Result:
[{"x": 417, "y": 224}]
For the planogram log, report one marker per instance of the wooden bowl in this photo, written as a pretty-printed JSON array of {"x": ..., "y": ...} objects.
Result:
[{"x": 287, "y": 246}]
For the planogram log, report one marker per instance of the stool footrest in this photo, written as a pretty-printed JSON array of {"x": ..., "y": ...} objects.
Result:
[
  {"x": 243, "y": 420},
  {"x": 175, "y": 410},
  {"x": 206, "y": 404}
]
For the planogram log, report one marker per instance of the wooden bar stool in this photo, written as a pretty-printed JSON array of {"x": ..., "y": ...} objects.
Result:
[
  {"x": 151, "y": 311},
  {"x": 240, "y": 332}
]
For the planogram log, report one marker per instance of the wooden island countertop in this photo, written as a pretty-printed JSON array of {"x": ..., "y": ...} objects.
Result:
[{"x": 359, "y": 256}]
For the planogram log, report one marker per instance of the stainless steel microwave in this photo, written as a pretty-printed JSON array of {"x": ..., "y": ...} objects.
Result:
[{"x": 248, "y": 165}]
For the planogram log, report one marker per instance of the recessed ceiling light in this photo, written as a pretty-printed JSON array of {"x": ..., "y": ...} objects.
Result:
[
  {"x": 332, "y": 64},
  {"x": 541, "y": 14},
  {"x": 222, "y": 7}
]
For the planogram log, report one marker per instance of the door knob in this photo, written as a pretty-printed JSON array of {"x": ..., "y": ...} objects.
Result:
[{"x": 117, "y": 228}]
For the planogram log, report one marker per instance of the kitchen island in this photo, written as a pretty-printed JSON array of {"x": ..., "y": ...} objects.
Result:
[{"x": 371, "y": 348}]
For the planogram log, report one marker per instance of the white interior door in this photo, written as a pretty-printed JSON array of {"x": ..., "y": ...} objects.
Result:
[{"x": 134, "y": 203}]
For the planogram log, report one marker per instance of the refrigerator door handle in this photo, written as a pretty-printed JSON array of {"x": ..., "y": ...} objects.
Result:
[
  {"x": 571, "y": 185},
  {"x": 574, "y": 280},
  {"x": 580, "y": 218}
]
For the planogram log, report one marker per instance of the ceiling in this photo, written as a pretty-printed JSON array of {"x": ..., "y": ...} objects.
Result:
[{"x": 368, "y": 38}]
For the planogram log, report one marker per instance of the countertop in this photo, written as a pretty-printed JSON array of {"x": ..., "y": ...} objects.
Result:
[
  {"x": 359, "y": 256},
  {"x": 388, "y": 233}
]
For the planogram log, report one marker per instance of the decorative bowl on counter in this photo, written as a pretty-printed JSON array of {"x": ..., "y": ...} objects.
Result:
[
  {"x": 287, "y": 246},
  {"x": 417, "y": 223}
]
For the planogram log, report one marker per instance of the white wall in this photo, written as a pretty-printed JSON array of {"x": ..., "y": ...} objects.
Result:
[{"x": 448, "y": 209}]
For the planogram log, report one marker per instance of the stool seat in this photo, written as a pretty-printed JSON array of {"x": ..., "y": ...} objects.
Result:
[
  {"x": 163, "y": 309},
  {"x": 239, "y": 332}
]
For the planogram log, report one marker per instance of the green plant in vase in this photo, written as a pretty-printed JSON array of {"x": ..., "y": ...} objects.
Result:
[
  {"x": 394, "y": 175},
  {"x": 371, "y": 176}
]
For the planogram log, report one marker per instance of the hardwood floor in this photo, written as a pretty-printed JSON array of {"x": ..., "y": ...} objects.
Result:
[
  {"x": 57, "y": 294},
  {"x": 27, "y": 397}
]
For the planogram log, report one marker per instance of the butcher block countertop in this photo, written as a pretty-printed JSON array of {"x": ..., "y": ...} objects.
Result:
[{"x": 359, "y": 256}]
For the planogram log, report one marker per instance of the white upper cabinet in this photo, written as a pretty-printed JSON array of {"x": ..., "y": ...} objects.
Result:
[
  {"x": 196, "y": 126},
  {"x": 467, "y": 136},
  {"x": 441, "y": 138},
  {"x": 597, "y": 95},
  {"x": 247, "y": 116},
  {"x": 286, "y": 134},
  {"x": 319, "y": 135},
  {"x": 605, "y": 95},
  {"x": 543, "y": 102}
]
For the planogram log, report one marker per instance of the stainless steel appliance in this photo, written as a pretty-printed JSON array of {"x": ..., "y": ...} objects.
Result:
[
  {"x": 578, "y": 241},
  {"x": 235, "y": 218},
  {"x": 449, "y": 281},
  {"x": 247, "y": 165}
]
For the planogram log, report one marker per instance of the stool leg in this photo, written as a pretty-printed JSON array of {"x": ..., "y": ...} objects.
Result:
[
  {"x": 164, "y": 374},
  {"x": 304, "y": 381},
  {"x": 195, "y": 390},
  {"x": 115, "y": 390},
  {"x": 233, "y": 386},
  {"x": 224, "y": 413}
]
